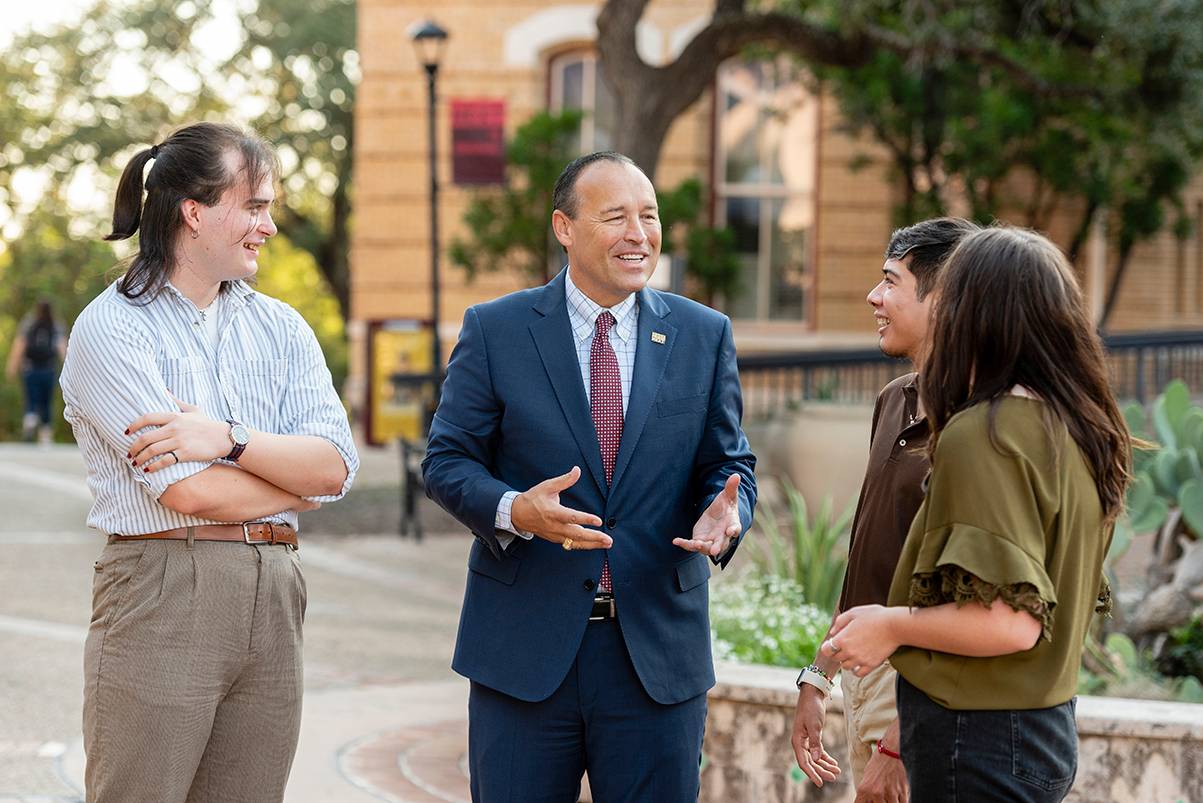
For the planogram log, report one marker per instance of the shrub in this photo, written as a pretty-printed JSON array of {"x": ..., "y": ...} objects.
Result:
[
  {"x": 764, "y": 619},
  {"x": 811, "y": 552},
  {"x": 1118, "y": 668}
]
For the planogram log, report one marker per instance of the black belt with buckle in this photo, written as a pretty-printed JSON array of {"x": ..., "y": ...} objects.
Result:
[{"x": 603, "y": 608}]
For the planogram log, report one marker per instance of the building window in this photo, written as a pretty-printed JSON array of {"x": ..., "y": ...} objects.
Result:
[
  {"x": 766, "y": 160},
  {"x": 576, "y": 83}
]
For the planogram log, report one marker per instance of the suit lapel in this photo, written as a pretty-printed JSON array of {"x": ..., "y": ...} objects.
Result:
[
  {"x": 651, "y": 357},
  {"x": 554, "y": 340}
]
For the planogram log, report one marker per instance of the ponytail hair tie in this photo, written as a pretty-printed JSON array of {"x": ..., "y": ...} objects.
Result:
[{"x": 154, "y": 151}]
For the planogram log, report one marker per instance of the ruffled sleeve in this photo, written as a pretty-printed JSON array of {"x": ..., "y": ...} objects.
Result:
[
  {"x": 1102, "y": 605},
  {"x": 981, "y": 534},
  {"x": 961, "y": 563}
]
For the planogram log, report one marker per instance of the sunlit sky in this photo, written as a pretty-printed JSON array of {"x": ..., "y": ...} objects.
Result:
[{"x": 20, "y": 17}]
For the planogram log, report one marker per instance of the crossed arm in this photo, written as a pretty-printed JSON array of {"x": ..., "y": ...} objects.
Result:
[
  {"x": 115, "y": 383},
  {"x": 300, "y": 465}
]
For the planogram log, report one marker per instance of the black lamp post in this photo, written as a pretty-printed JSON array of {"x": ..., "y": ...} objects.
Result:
[{"x": 429, "y": 42}]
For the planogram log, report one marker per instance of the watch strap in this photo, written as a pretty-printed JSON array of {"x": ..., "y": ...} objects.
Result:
[
  {"x": 812, "y": 676},
  {"x": 239, "y": 448}
]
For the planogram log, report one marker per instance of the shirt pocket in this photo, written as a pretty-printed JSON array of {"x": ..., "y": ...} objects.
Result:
[
  {"x": 184, "y": 376},
  {"x": 260, "y": 387}
]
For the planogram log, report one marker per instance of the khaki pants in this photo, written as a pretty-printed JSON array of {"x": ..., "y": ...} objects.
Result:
[
  {"x": 193, "y": 672},
  {"x": 870, "y": 707}
]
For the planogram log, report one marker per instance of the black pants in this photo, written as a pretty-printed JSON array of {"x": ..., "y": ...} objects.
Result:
[{"x": 1017, "y": 756}]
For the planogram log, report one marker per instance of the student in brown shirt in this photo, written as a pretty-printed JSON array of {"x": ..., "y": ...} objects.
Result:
[
  {"x": 889, "y": 497},
  {"x": 1001, "y": 570}
]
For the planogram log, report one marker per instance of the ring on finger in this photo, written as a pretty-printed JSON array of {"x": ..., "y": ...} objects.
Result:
[
  {"x": 176, "y": 456},
  {"x": 567, "y": 544},
  {"x": 834, "y": 647}
]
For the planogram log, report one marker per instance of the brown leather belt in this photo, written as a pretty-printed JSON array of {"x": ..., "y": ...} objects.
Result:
[{"x": 251, "y": 532}]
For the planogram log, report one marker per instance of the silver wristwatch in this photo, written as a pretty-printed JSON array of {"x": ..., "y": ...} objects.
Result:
[{"x": 240, "y": 436}]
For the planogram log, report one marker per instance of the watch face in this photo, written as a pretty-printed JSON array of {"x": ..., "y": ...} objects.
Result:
[{"x": 239, "y": 435}]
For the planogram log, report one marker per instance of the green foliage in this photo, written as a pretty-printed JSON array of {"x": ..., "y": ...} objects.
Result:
[
  {"x": 45, "y": 262},
  {"x": 68, "y": 122},
  {"x": 1095, "y": 103},
  {"x": 298, "y": 58},
  {"x": 510, "y": 227},
  {"x": 1122, "y": 670},
  {"x": 765, "y": 619},
  {"x": 290, "y": 274},
  {"x": 1168, "y": 474},
  {"x": 710, "y": 259},
  {"x": 811, "y": 552},
  {"x": 1183, "y": 654},
  {"x": 778, "y": 613}
]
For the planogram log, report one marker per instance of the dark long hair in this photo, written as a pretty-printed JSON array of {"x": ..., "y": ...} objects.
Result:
[
  {"x": 42, "y": 312},
  {"x": 1010, "y": 312},
  {"x": 189, "y": 164}
]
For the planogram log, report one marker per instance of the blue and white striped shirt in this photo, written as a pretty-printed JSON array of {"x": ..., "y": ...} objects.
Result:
[{"x": 125, "y": 357}]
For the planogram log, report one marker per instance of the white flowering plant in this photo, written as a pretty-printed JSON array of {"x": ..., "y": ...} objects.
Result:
[{"x": 765, "y": 619}]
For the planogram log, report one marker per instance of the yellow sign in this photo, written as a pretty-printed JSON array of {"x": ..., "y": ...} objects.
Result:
[{"x": 398, "y": 408}]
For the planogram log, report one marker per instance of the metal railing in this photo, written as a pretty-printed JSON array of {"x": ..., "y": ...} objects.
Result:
[{"x": 1141, "y": 364}]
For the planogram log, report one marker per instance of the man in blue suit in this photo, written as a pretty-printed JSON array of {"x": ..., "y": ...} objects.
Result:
[{"x": 589, "y": 436}]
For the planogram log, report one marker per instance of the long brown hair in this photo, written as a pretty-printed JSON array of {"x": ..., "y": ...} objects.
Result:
[
  {"x": 1010, "y": 312},
  {"x": 189, "y": 164}
]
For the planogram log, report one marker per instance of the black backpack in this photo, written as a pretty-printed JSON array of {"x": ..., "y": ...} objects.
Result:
[{"x": 39, "y": 345}]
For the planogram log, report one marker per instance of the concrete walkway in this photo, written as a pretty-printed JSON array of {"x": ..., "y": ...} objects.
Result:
[{"x": 385, "y": 718}]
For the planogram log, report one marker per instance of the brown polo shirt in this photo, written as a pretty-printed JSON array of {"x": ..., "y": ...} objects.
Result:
[{"x": 890, "y": 495}]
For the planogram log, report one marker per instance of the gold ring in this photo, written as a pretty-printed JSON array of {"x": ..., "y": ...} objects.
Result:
[
  {"x": 834, "y": 648},
  {"x": 567, "y": 544}
]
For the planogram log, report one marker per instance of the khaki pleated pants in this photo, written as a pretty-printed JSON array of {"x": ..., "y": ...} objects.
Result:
[
  {"x": 869, "y": 707},
  {"x": 193, "y": 673}
]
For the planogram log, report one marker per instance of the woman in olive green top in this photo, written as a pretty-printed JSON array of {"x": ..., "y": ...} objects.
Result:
[{"x": 1002, "y": 568}]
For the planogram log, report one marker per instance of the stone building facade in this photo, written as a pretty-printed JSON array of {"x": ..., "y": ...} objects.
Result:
[{"x": 767, "y": 143}]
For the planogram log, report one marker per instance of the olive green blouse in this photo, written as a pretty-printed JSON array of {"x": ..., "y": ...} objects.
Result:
[{"x": 1017, "y": 520}]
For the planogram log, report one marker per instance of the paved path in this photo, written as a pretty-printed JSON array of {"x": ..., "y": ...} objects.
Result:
[{"x": 385, "y": 718}]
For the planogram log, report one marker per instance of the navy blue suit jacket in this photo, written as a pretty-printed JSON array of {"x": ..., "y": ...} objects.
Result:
[{"x": 513, "y": 413}]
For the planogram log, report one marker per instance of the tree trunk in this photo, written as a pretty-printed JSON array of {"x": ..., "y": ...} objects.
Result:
[
  {"x": 1083, "y": 231},
  {"x": 648, "y": 99},
  {"x": 1117, "y": 280}
]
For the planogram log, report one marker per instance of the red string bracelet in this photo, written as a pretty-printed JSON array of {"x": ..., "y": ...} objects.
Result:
[{"x": 885, "y": 751}]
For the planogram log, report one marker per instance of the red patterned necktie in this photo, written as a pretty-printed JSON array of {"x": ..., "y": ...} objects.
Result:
[{"x": 605, "y": 402}]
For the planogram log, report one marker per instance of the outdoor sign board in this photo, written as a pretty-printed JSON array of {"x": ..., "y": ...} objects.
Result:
[
  {"x": 478, "y": 142},
  {"x": 399, "y": 389}
]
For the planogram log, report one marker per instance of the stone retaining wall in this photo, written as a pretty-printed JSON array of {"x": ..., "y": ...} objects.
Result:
[{"x": 1131, "y": 751}]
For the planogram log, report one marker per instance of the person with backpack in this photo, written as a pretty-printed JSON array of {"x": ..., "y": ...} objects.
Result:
[{"x": 36, "y": 352}]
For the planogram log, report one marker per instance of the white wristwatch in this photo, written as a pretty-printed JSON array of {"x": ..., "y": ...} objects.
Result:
[{"x": 813, "y": 676}]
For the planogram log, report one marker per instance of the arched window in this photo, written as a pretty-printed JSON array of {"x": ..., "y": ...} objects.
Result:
[
  {"x": 576, "y": 83},
  {"x": 765, "y": 167}
]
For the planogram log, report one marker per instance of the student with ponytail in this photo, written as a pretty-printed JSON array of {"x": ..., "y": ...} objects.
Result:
[{"x": 207, "y": 418}]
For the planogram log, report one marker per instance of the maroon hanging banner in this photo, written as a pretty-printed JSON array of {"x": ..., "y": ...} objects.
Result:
[{"x": 478, "y": 141}]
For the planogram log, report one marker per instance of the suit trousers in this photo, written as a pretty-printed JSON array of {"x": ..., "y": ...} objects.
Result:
[
  {"x": 601, "y": 721},
  {"x": 193, "y": 672}
]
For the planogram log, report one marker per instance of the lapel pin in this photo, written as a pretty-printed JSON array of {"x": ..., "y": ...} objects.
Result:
[{"x": 658, "y": 337}]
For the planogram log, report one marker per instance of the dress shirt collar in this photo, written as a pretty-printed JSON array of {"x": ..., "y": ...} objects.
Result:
[
  {"x": 583, "y": 312},
  {"x": 237, "y": 290}
]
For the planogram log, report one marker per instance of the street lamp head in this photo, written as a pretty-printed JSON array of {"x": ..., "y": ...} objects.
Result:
[{"x": 429, "y": 40}]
